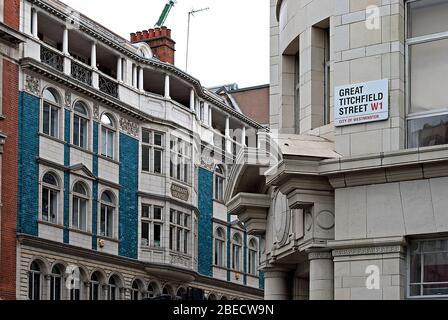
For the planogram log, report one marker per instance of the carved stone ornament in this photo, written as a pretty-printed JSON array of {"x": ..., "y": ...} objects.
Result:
[
  {"x": 32, "y": 85},
  {"x": 179, "y": 260},
  {"x": 367, "y": 250},
  {"x": 129, "y": 127},
  {"x": 68, "y": 99},
  {"x": 96, "y": 113}
]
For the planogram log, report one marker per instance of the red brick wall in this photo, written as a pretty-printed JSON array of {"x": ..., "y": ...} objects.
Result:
[
  {"x": 9, "y": 126},
  {"x": 12, "y": 13}
]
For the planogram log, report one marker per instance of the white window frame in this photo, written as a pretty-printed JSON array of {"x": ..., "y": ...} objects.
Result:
[
  {"x": 53, "y": 107},
  {"x": 151, "y": 221},
  {"x": 409, "y": 41},
  {"x": 80, "y": 197},
  {"x": 113, "y": 208},
  {"x": 219, "y": 243},
  {"x": 180, "y": 227},
  {"x": 219, "y": 180},
  {"x": 152, "y": 149},
  {"x": 180, "y": 160},
  {"x": 236, "y": 263},
  {"x": 252, "y": 250},
  {"x": 50, "y": 189},
  {"x": 107, "y": 130},
  {"x": 83, "y": 119}
]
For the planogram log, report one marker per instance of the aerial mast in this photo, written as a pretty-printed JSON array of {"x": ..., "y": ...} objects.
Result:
[
  {"x": 165, "y": 13},
  {"x": 191, "y": 13}
]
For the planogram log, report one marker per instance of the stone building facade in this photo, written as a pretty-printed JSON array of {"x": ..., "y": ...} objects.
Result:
[
  {"x": 355, "y": 206},
  {"x": 123, "y": 161}
]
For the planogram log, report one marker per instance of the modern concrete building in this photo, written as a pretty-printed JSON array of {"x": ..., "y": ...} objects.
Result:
[
  {"x": 356, "y": 207},
  {"x": 123, "y": 161}
]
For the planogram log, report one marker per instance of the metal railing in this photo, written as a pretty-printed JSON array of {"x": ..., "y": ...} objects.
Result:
[
  {"x": 108, "y": 86},
  {"x": 81, "y": 73},
  {"x": 52, "y": 58}
]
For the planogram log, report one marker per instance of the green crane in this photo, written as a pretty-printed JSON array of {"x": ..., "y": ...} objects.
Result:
[{"x": 165, "y": 13}]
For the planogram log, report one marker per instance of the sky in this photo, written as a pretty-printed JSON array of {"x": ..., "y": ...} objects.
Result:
[{"x": 228, "y": 43}]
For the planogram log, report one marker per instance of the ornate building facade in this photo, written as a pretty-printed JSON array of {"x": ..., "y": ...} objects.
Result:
[
  {"x": 123, "y": 163},
  {"x": 355, "y": 207}
]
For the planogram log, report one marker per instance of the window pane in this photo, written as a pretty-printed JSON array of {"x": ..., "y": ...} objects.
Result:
[
  {"x": 145, "y": 234},
  {"x": 186, "y": 235},
  {"x": 157, "y": 235},
  {"x": 103, "y": 141},
  {"x": 429, "y": 67},
  {"x": 83, "y": 133},
  {"x": 157, "y": 213},
  {"x": 45, "y": 204},
  {"x": 83, "y": 215},
  {"x": 157, "y": 161},
  {"x": 54, "y": 122},
  {"x": 172, "y": 235},
  {"x": 428, "y": 131},
  {"x": 110, "y": 222},
  {"x": 46, "y": 119},
  {"x": 75, "y": 213},
  {"x": 178, "y": 239},
  {"x": 145, "y": 158},
  {"x": 103, "y": 220},
  {"x": 53, "y": 206},
  {"x": 110, "y": 144},
  {"x": 436, "y": 267},
  {"x": 158, "y": 139},
  {"x": 76, "y": 131},
  {"x": 146, "y": 136},
  {"x": 145, "y": 211},
  {"x": 427, "y": 17}
]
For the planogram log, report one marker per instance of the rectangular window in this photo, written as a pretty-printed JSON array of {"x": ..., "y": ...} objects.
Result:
[
  {"x": 152, "y": 151},
  {"x": 180, "y": 160},
  {"x": 179, "y": 231},
  {"x": 426, "y": 46},
  {"x": 327, "y": 107},
  {"x": 151, "y": 218},
  {"x": 428, "y": 268}
]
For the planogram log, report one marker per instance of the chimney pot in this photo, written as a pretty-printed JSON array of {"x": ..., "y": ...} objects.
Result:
[
  {"x": 157, "y": 32},
  {"x": 159, "y": 39},
  {"x": 145, "y": 34},
  {"x": 139, "y": 35}
]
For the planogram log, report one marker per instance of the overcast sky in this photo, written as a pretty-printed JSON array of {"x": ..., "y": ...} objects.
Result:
[{"x": 228, "y": 43}]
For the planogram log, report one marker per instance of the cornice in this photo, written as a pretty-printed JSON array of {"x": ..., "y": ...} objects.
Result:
[{"x": 110, "y": 39}]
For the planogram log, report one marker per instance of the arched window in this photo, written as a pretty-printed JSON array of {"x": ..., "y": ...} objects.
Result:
[
  {"x": 219, "y": 247},
  {"x": 107, "y": 136},
  {"x": 236, "y": 252},
  {"x": 95, "y": 286},
  {"x": 107, "y": 214},
  {"x": 219, "y": 183},
  {"x": 56, "y": 283},
  {"x": 50, "y": 113},
  {"x": 253, "y": 255},
  {"x": 80, "y": 125},
  {"x": 79, "y": 206},
  {"x": 136, "y": 290},
  {"x": 167, "y": 290},
  {"x": 153, "y": 290},
  {"x": 181, "y": 293},
  {"x": 113, "y": 289},
  {"x": 34, "y": 282},
  {"x": 50, "y": 195}
]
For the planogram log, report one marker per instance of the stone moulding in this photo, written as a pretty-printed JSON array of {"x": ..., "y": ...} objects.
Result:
[{"x": 367, "y": 251}]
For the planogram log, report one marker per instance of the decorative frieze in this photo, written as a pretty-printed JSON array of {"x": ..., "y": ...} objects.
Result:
[
  {"x": 129, "y": 127},
  {"x": 367, "y": 251},
  {"x": 319, "y": 255},
  {"x": 32, "y": 85},
  {"x": 180, "y": 260}
]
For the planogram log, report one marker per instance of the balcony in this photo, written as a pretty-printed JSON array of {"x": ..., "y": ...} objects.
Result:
[
  {"x": 81, "y": 73},
  {"x": 52, "y": 58},
  {"x": 108, "y": 86}
]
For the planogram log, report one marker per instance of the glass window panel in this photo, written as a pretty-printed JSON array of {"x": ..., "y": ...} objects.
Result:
[
  {"x": 53, "y": 206},
  {"x": 76, "y": 131},
  {"x": 83, "y": 215},
  {"x": 103, "y": 220},
  {"x": 157, "y": 235},
  {"x": 157, "y": 161},
  {"x": 110, "y": 221},
  {"x": 145, "y": 234},
  {"x": 75, "y": 212},
  {"x": 428, "y": 131},
  {"x": 158, "y": 139},
  {"x": 54, "y": 122},
  {"x": 427, "y": 17},
  {"x": 50, "y": 96},
  {"x": 145, "y": 211},
  {"x": 157, "y": 213},
  {"x": 45, "y": 204},
  {"x": 435, "y": 267},
  {"x": 146, "y": 136},
  {"x": 46, "y": 119},
  {"x": 428, "y": 70},
  {"x": 106, "y": 120},
  {"x": 79, "y": 107},
  {"x": 145, "y": 158},
  {"x": 83, "y": 134}
]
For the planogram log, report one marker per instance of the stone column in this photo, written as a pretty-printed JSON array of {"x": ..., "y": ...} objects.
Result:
[
  {"x": 65, "y": 41},
  {"x": 34, "y": 25},
  {"x": 140, "y": 78},
  {"x": 243, "y": 136},
  {"x": 46, "y": 287},
  {"x": 119, "y": 69},
  {"x": 167, "y": 87},
  {"x": 227, "y": 136},
  {"x": 134, "y": 76},
  {"x": 93, "y": 55},
  {"x": 277, "y": 284},
  {"x": 321, "y": 275},
  {"x": 192, "y": 100}
]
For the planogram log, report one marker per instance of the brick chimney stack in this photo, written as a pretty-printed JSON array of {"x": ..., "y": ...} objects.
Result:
[{"x": 159, "y": 39}]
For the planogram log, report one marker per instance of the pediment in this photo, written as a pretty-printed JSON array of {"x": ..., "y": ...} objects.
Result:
[{"x": 82, "y": 170}]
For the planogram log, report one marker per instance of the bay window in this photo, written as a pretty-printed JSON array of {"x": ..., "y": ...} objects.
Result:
[
  {"x": 180, "y": 226},
  {"x": 180, "y": 160},
  {"x": 426, "y": 45}
]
